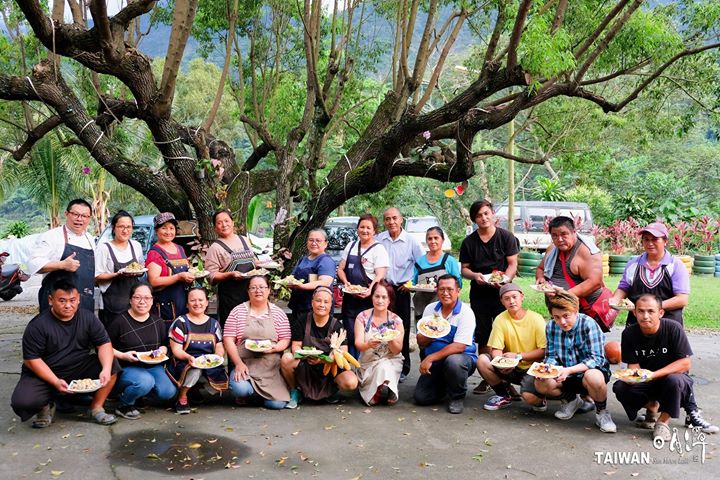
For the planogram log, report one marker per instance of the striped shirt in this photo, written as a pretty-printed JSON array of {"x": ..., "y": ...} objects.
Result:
[
  {"x": 584, "y": 343},
  {"x": 179, "y": 329},
  {"x": 236, "y": 321}
]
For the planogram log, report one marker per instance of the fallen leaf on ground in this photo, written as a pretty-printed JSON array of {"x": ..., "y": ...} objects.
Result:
[
  {"x": 329, "y": 427},
  {"x": 194, "y": 445},
  {"x": 478, "y": 457},
  {"x": 152, "y": 456},
  {"x": 56, "y": 473},
  {"x": 426, "y": 464},
  {"x": 281, "y": 460}
]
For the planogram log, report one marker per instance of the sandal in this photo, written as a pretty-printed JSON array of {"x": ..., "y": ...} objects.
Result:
[
  {"x": 102, "y": 418},
  {"x": 44, "y": 417}
]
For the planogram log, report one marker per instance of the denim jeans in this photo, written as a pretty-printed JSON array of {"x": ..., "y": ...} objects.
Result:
[
  {"x": 447, "y": 377},
  {"x": 244, "y": 389},
  {"x": 137, "y": 382}
]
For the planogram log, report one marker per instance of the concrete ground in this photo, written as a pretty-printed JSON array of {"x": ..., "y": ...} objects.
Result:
[{"x": 350, "y": 440}]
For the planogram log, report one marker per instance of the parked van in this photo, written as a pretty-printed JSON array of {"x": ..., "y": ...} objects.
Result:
[
  {"x": 417, "y": 228},
  {"x": 531, "y": 219}
]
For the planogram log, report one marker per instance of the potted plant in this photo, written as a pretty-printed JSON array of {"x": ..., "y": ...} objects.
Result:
[
  {"x": 704, "y": 233},
  {"x": 680, "y": 235}
]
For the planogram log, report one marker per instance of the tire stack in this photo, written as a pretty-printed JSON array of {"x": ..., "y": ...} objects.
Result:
[
  {"x": 528, "y": 263},
  {"x": 606, "y": 264},
  {"x": 617, "y": 263},
  {"x": 704, "y": 265},
  {"x": 717, "y": 265},
  {"x": 688, "y": 262}
]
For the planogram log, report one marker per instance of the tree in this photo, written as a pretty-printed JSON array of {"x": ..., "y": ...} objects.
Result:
[{"x": 526, "y": 54}]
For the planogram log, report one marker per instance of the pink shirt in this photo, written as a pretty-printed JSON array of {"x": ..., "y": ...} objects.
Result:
[{"x": 236, "y": 321}]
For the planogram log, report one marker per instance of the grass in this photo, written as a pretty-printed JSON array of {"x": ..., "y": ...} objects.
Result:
[{"x": 701, "y": 312}]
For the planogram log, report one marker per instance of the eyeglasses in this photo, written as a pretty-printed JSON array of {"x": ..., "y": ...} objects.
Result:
[
  {"x": 84, "y": 216},
  {"x": 446, "y": 290},
  {"x": 123, "y": 227},
  {"x": 257, "y": 289},
  {"x": 315, "y": 240},
  {"x": 138, "y": 298}
]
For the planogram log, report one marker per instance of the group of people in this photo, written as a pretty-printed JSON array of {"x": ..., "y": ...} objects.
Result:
[{"x": 167, "y": 317}]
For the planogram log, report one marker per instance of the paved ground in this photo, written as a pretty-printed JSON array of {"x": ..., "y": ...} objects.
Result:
[{"x": 346, "y": 441}]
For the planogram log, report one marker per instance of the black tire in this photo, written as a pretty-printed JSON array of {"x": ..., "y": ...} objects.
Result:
[
  {"x": 704, "y": 258},
  {"x": 704, "y": 263},
  {"x": 619, "y": 258},
  {"x": 527, "y": 269},
  {"x": 532, "y": 255},
  {"x": 617, "y": 270},
  {"x": 703, "y": 270},
  {"x": 526, "y": 262}
]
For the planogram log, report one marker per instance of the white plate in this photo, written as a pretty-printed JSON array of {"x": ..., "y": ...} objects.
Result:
[
  {"x": 269, "y": 265},
  {"x": 133, "y": 272},
  {"x": 644, "y": 375},
  {"x": 256, "y": 346},
  {"x": 285, "y": 282},
  {"x": 423, "y": 287},
  {"x": 388, "y": 336},
  {"x": 532, "y": 371},
  {"x": 421, "y": 328},
  {"x": 539, "y": 288},
  {"x": 504, "y": 279},
  {"x": 255, "y": 272},
  {"x": 511, "y": 362},
  {"x": 151, "y": 361},
  {"x": 623, "y": 308},
  {"x": 309, "y": 353},
  {"x": 200, "y": 275},
  {"x": 209, "y": 357},
  {"x": 73, "y": 387},
  {"x": 353, "y": 292}
]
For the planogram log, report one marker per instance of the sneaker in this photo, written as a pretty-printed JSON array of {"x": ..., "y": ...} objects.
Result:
[
  {"x": 456, "y": 406},
  {"x": 514, "y": 394},
  {"x": 403, "y": 377},
  {"x": 647, "y": 421},
  {"x": 182, "y": 408},
  {"x": 295, "y": 399},
  {"x": 44, "y": 417},
  {"x": 541, "y": 407},
  {"x": 694, "y": 419},
  {"x": 482, "y": 388},
  {"x": 496, "y": 402},
  {"x": 127, "y": 411},
  {"x": 605, "y": 422},
  {"x": 662, "y": 431},
  {"x": 587, "y": 406},
  {"x": 568, "y": 409}
]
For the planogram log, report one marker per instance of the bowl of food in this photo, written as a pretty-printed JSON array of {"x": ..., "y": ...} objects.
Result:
[
  {"x": 623, "y": 305},
  {"x": 354, "y": 289},
  {"x": 289, "y": 280},
  {"x": 504, "y": 362},
  {"x": 197, "y": 273},
  {"x": 84, "y": 385},
  {"x": 496, "y": 277},
  {"x": 544, "y": 370},
  {"x": 151, "y": 357},
  {"x": 133, "y": 269},
  {"x": 630, "y": 375},
  {"x": 258, "y": 346},
  {"x": 209, "y": 360},
  {"x": 387, "y": 335},
  {"x": 434, "y": 326}
]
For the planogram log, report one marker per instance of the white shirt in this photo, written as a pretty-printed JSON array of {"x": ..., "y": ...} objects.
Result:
[
  {"x": 402, "y": 252},
  {"x": 51, "y": 244},
  {"x": 376, "y": 257},
  {"x": 104, "y": 263}
]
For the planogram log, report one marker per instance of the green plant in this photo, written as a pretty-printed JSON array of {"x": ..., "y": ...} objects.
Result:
[
  {"x": 632, "y": 205},
  {"x": 17, "y": 229},
  {"x": 549, "y": 190},
  {"x": 599, "y": 200}
]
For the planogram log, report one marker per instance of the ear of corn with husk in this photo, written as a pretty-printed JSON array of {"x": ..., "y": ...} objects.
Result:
[{"x": 340, "y": 360}]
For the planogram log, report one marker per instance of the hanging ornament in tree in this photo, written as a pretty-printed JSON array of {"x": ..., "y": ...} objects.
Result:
[
  {"x": 457, "y": 190},
  {"x": 449, "y": 193}
]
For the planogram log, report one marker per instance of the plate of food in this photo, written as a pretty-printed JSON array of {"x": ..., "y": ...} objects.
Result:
[
  {"x": 209, "y": 360},
  {"x": 625, "y": 305},
  {"x": 354, "y": 289},
  {"x": 387, "y": 335},
  {"x": 308, "y": 351},
  {"x": 255, "y": 272},
  {"x": 496, "y": 277},
  {"x": 544, "y": 370},
  {"x": 629, "y": 375},
  {"x": 271, "y": 265},
  {"x": 85, "y": 385},
  {"x": 258, "y": 346},
  {"x": 504, "y": 362},
  {"x": 197, "y": 273},
  {"x": 423, "y": 287},
  {"x": 151, "y": 357},
  {"x": 433, "y": 327},
  {"x": 545, "y": 287},
  {"x": 133, "y": 268},
  {"x": 289, "y": 280}
]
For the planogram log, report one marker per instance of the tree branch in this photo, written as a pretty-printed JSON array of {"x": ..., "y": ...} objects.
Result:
[
  {"x": 98, "y": 8},
  {"x": 517, "y": 33},
  {"x": 600, "y": 28},
  {"x": 258, "y": 154},
  {"x": 494, "y": 39},
  {"x": 36, "y": 134},
  {"x": 182, "y": 22},
  {"x": 559, "y": 16},
  {"x": 483, "y": 154}
]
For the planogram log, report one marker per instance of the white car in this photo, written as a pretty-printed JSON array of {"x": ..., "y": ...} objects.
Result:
[{"x": 417, "y": 228}]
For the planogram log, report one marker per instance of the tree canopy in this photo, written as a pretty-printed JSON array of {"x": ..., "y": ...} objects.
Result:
[{"x": 336, "y": 99}]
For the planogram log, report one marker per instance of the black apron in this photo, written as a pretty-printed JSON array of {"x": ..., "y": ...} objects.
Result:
[
  {"x": 116, "y": 297},
  {"x": 232, "y": 293},
  {"x": 171, "y": 301},
  {"x": 662, "y": 287},
  {"x": 83, "y": 278},
  {"x": 423, "y": 299},
  {"x": 352, "y": 305},
  {"x": 310, "y": 378}
]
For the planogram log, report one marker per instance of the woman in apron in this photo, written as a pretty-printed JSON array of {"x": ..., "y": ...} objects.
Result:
[
  {"x": 658, "y": 272},
  {"x": 364, "y": 262},
  {"x": 110, "y": 258},
  {"x": 168, "y": 267},
  {"x": 431, "y": 266},
  {"x": 305, "y": 376},
  {"x": 381, "y": 359},
  {"x": 192, "y": 335},
  {"x": 227, "y": 259},
  {"x": 315, "y": 269},
  {"x": 257, "y": 373}
]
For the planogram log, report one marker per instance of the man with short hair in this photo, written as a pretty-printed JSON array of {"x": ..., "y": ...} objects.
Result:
[
  {"x": 659, "y": 345},
  {"x": 448, "y": 361},
  {"x": 403, "y": 251},
  {"x": 575, "y": 343},
  {"x": 56, "y": 350},
  {"x": 67, "y": 253},
  {"x": 518, "y": 334}
]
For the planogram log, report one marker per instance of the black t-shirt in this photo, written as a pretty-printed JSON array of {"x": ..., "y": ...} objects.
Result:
[
  {"x": 656, "y": 351},
  {"x": 484, "y": 257},
  {"x": 62, "y": 345},
  {"x": 297, "y": 328},
  {"x": 128, "y": 334}
]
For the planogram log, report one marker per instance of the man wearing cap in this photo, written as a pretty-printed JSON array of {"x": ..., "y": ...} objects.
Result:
[
  {"x": 67, "y": 253},
  {"x": 168, "y": 268},
  {"x": 518, "y": 334},
  {"x": 657, "y": 272},
  {"x": 403, "y": 251}
]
